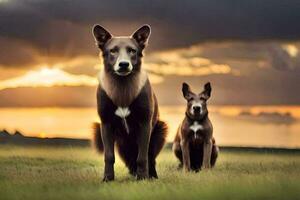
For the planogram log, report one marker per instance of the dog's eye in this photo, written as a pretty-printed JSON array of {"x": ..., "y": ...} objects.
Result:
[
  {"x": 113, "y": 51},
  {"x": 131, "y": 50}
]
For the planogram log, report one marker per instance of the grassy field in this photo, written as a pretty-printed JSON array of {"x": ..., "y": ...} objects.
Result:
[{"x": 75, "y": 173}]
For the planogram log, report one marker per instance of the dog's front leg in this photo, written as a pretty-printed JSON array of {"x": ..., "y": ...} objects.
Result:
[
  {"x": 185, "y": 155},
  {"x": 207, "y": 149},
  {"x": 109, "y": 154},
  {"x": 143, "y": 147}
]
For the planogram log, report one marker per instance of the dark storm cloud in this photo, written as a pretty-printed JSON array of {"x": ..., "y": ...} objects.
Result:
[
  {"x": 244, "y": 19},
  {"x": 62, "y": 27},
  {"x": 15, "y": 53}
]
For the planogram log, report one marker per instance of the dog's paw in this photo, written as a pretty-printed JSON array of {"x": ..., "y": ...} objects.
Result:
[
  {"x": 206, "y": 167},
  {"x": 108, "y": 178},
  {"x": 180, "y": 166},
  {"x": 142, "y": 176},
  {"x": 153, "y": 176},
  {"x": 186, "y": 169}
]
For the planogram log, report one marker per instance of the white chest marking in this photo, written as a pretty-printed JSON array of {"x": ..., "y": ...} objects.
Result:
[
  {"x": 196, "y": 126},
  {"x": 122, "y": 112}
]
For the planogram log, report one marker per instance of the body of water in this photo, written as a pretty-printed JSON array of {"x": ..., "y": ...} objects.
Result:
[{"x": 269, "y": 126}]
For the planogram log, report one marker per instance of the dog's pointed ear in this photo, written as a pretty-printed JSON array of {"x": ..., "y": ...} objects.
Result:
[
  {"x": 101, "y": 36},
  {"x": 186, "y": 91},
  {"x": 142, "y": 35},
  {"x": 207, "y": 90}
]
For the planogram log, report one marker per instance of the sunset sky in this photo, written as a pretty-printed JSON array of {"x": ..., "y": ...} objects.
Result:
[{"x": 248, "y": 49}]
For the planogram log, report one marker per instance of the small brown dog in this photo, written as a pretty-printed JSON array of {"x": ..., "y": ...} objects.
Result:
[{"x": 194, "y": 144}]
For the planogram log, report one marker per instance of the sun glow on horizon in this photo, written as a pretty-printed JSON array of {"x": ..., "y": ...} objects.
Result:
[
  {"x": 48, "y": 77},
  {"x": 42, "y": 135}
]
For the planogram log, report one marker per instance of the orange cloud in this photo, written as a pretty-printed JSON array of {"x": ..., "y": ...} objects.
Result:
[
  {"x": 184, "y": 62},
  {"x": 291, "y": 49},
  {"x": 82, "y": 70},
  {"x": 48, "y": 77}
]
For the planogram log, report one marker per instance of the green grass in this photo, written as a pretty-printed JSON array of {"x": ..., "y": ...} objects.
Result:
[{"x": 75, "y": 173}]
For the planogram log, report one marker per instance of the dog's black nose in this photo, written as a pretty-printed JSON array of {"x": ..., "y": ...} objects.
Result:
[
  {"x": 196, "y": 109},
  {"x": 124, "y": 65}
]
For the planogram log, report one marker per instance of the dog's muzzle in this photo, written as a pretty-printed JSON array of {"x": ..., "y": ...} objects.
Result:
[
  {"x": 124, "y": 69},
  {"x": 197, "y": 109}
]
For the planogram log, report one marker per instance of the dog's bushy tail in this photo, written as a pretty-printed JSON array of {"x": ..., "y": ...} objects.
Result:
[
  {"x": 214, "y": 153},
  {"x": 158, "y": 138},
  {"x": 98, "y": 143}
]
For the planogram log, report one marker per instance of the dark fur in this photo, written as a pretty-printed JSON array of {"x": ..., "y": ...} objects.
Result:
[
  {"x": 140, "y": 147},
  {"x": 128, "y": 153},
  {"x": 196, "y": 155},
  {"x": 127, "y": 143},
  {"x": 195, "y": 146}
]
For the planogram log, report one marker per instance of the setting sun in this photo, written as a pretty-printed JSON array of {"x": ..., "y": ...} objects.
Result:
[{"x": 42, "y": 135}]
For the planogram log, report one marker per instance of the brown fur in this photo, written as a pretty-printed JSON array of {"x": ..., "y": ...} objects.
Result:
[
  {"x": 122, "y": 93},
  {"x": 194, "y": 144},
  {"x": 127, "y": 106}
]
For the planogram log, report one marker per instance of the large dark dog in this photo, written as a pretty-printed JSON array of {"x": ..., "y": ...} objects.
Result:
[
  {"x": 127, "y": 105},
  {"x": 194, "y": 144}
]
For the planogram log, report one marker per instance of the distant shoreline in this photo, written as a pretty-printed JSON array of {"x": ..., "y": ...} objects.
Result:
[
  {"x": 19, "y": 140},
  {"x": 164, "y": 105}
]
